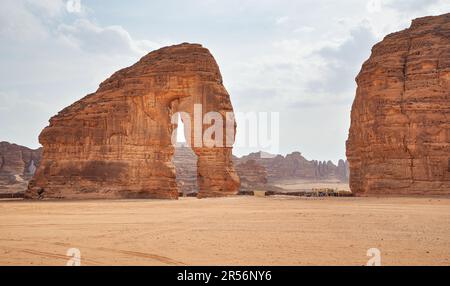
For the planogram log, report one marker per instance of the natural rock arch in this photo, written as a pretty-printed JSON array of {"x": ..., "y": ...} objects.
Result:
[{"x": 116, "y": 142}]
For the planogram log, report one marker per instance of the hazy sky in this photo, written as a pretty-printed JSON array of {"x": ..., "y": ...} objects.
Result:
[{"x": 298, "y": 58}]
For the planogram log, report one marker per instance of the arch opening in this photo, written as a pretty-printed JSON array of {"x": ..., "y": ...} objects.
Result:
[{"x": 185, "y": 161}]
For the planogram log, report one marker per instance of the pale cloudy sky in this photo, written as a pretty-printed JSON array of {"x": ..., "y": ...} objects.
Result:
[{"x": 298, "y": 58}]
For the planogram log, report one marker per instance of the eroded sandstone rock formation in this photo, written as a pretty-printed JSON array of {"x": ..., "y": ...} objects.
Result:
[
  {"x": 342, "y": 171},
  {"x": 17, "y": 166},
  {"x": 116, "y": 142},
  {"x": 294, "y": 166},
  {"x": 399, "y": 141},
  {"x": 252, "y": 175}
]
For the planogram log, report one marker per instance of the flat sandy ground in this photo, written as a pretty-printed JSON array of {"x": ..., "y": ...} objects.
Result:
[
  {"x": 226, "y": 231},
  {"x": 301, "y": 185}
]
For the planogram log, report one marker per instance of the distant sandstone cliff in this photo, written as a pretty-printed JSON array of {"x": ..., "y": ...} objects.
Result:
[
  {"x": 252, "y": 174},
  {"x": 257, "y": 170},
  {"x": 17, "y": 166},
  {"x": 295, "y": 166},
  {"x": 399, "y": 140},
  {"x": 185, "y": 162}
]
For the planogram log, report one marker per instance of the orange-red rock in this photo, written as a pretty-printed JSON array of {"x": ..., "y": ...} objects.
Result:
[
  {"x": 252, "y": 175},
  {"x": 116, "y": 142},
  {"x": 399, "y": 141},
  {"x": 17, "y": 166}
]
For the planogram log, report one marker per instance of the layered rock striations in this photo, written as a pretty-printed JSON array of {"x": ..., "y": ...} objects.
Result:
[
  {"x": 17, "y": 165},
  {"x": 116, "y": 142},
  {"x": 399, "y": 139}
]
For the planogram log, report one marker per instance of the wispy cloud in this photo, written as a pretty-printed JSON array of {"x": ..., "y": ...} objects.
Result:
[
  {"x": 52, "y": 58},
  {"x": 296, "y": 57}
]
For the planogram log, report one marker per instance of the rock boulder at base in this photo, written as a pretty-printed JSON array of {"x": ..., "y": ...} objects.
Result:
[
  {"x": 399, "y": 140},
  {"x": 116, "y": 142}
]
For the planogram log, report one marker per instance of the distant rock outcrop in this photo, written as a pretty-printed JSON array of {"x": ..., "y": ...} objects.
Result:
[
  {"x": 399, "y": 140},
  {"x": 342, "y": 171},
  {"x": 185, "y": 162},
  {"x": 295, "y": 166},
  {"x": 252, "y": 175},
  {"x": 17, "y": 166},
  {"x": 259, "y": 170},
  {"x": 116, "y": 142}
]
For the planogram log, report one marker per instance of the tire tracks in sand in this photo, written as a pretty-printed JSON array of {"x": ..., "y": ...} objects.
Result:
[
  {"x": 159, "y": 258},
  {"x": 88, "y": 261}
]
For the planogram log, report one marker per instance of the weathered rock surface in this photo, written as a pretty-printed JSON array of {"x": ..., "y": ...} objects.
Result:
[
  {"x": 17, "y": 166},
  {"x": 399, "y": 140},
  {"x": 295, "y": 166},
  {"x": 116, "y": 142},
  {"x": 252, "y": 175}
]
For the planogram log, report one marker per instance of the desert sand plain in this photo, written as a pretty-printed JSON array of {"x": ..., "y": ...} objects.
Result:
[
  {"x": 239, "y": 230},
  {"x": 308, "y": 185}
]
